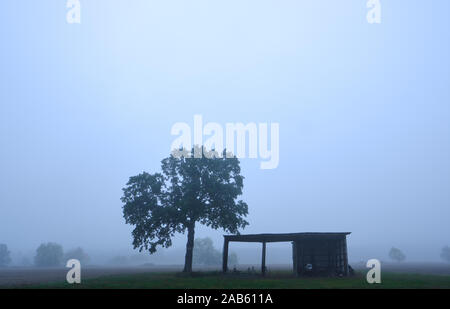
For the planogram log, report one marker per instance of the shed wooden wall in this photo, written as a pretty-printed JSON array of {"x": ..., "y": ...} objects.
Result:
[{"x": 328, "y": 256}]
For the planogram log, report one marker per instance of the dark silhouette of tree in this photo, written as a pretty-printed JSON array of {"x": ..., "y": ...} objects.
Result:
[
  {"x": 5, "y": 258},
  {"x": 445, "y": 254},
  {"x": 190, "y": 189},
  {"x": 397, "y": 255},
  {"x": 49, "y": 255}
]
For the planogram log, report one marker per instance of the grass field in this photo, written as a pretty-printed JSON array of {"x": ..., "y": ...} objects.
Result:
[{"x": 279, "y": 280}]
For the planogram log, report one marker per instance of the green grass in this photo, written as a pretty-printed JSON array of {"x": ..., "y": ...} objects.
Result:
[{"x": 280, "y": 280}]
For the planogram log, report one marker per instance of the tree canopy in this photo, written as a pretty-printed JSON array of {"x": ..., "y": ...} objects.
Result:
[{"x": 49, "y": 255}]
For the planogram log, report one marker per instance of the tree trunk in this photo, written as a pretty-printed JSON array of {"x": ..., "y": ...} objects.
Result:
[{"x": 189, "y": 249}]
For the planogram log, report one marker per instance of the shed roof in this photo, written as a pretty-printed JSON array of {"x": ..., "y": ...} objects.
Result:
[{"x": 284, "y": 237}]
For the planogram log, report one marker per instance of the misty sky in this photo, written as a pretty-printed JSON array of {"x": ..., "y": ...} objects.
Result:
[{"x": 364, "y": 114}]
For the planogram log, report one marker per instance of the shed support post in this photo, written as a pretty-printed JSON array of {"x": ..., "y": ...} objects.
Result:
[
  {"x": 345, "y": 258},
  {"x": 294, "y": 258},
  {"x": 263, "y": 262},
  {"x": 225, "y": 256}
]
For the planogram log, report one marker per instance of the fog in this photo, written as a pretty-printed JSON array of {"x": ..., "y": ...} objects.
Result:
[{"x": 363, "y": 110}]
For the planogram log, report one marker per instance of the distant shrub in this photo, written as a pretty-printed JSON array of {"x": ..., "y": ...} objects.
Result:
[
  {"x": 233, "y": 259},
  {"x": 5, "y": 258},
  {"x": 397, "y": 255},
  {"x": 25, "y": 261},
  {"x": 49, "y": 255},
  {"x": 78, "y": 254},
  {"x": 445, "y": 254},
  {"x": 205, "y": 253}
]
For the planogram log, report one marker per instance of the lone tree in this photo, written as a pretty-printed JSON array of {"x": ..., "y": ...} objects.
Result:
[
  {"x": 194, "y": 186},
  {"x": 445, "y": 254},
  {"x": 49, "y": 255},
  {"x": 5, "y": 257},
  {"x": 397, "y": 255}
]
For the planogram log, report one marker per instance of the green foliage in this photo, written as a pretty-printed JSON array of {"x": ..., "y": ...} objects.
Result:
[
  {"x": 5, "y": 258},
  {"x": 397, "y": 255},
  {"x": 189, "y": 190},
  {"x": 49, "y": 255},
  {"x": 78, "y": 254},
  {"x": 445, "y": 254}
]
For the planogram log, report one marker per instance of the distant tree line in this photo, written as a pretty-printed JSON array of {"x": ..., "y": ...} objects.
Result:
[
  {"x": 184, "y": 194},
  {"x": 52, "y": 255},
  {"x": 47, "y": 255}
]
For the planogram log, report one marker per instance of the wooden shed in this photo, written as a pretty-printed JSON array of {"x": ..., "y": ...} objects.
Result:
[{"x": 312, "y": 253}]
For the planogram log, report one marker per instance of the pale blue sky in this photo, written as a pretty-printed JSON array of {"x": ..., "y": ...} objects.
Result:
[{"x": 364, "y": 113}]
